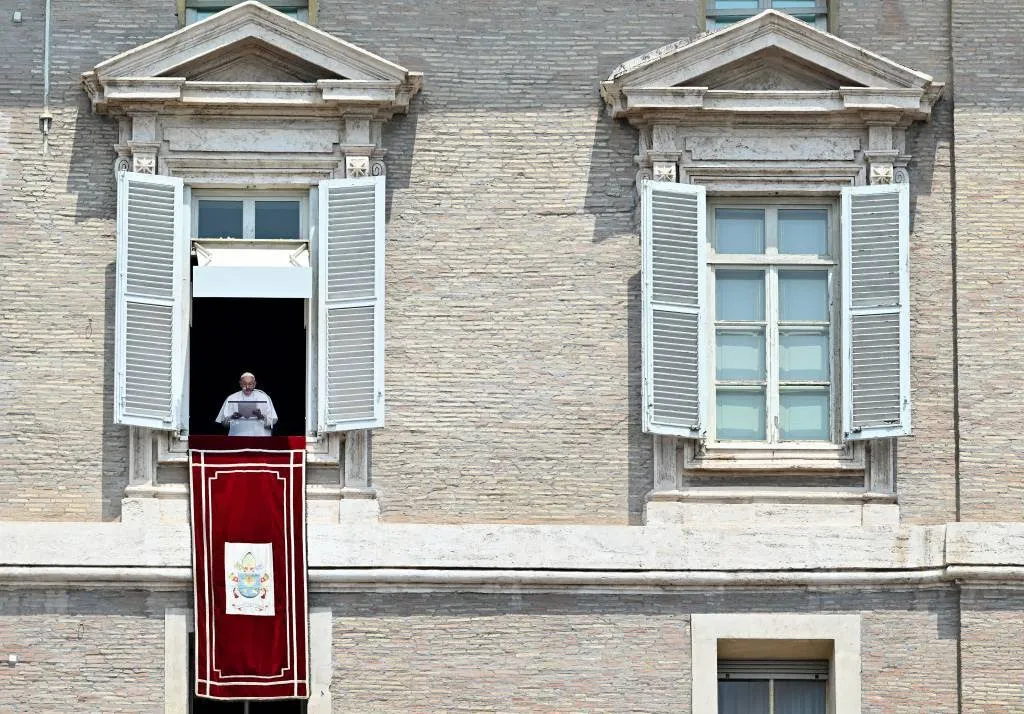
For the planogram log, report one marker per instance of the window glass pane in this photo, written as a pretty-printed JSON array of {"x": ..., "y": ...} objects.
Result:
[
  {"x": 803, "y": 231},
  {"x": 803, "y": 414},
  {"x": 739, "y": 230},
  {"x": 277, "y": 219},
  {"x": 742, "y": 697},
  {"x": 722, "y": 21},
  {"x": 795, "y": 4},
  {"x": 803, "y": 355},
  {"x": 803, "y": 295},
  {"x": 220, "y": 219},
  {"x": 733, "y": 4},
  {"x": 740, "y": 355},
  {"x": 739, "y": 295},
  {"x": 794, "y": 696},
  {"x": 204, "y": 12},
  {"x": 740, "y": 414}
]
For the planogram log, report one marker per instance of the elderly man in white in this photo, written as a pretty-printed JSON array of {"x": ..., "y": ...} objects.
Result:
[{"x": 248, "y": 412}]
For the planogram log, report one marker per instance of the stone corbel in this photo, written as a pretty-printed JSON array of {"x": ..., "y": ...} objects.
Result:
[
  {"x": 357, "y": 166},
  {"x": 144, "y": 155},
  {"x": 644, "y": 171},
  {"x": 144, "y": 143},
  {"x": 882, "y": 152},
  {"x": 667, "y": 171}
]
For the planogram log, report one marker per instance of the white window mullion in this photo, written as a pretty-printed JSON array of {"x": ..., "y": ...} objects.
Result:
[
  {"x": 249, "y": 219},
  {"x": 772, "y": 358}
]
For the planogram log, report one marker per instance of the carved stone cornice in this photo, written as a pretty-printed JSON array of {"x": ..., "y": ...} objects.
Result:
[
  {"x": 700, "y": 78},
  {"x": 173, "y": 71}
]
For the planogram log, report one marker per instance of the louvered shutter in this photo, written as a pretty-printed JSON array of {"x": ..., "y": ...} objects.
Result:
[
  {"x": 876, "y": 311},
  {"x": 351, "y": 310},
  {"x": 674, "y": 250},
  {"x": 152, "y": 248}
]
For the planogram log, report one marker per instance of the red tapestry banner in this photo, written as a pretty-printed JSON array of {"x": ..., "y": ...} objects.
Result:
[{"x": 249, "y": 567}]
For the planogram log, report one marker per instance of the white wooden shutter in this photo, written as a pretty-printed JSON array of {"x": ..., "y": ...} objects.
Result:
[
  {"x": 674, "y": 247},
  {"x": 152, "y": 248},
  {"x": 351, "y": 311},
  {"x": 876, "y": 311}
]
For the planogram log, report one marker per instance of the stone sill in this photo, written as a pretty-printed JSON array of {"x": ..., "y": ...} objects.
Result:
[
  {"x": 773, "y": 508},
  {"x": 325, "y": 450}
]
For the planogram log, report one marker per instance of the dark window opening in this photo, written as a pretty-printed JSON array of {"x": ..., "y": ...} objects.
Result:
[
  {"x": 203, "y": 705},
  {"x": 265, "y": 336}
]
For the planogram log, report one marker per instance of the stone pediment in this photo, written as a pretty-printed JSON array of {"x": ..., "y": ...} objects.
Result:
[
  {"x": 249, "y": 55},
  {"x": 770, "y": 63},
  {"x": 253, "y": 60},
  {"x": 771, "y": 69}
]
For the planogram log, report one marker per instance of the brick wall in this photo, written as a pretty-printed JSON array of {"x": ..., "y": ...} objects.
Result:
[
  {"x": 61, "y": 457},
  {"x": 513, "y": 317},
  {"x": 608, "y": 653},
  {"x": 82, "y": 651},
  {"x": 992, "y": 629},
  {"x": 989, "y": 100}
]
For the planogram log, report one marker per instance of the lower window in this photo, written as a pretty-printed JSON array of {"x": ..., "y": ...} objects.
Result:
[
  {"x": 773, "y": 687},
  {"x": 775, "y": 663}
]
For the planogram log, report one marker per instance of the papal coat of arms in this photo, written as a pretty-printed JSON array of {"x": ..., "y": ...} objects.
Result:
[{"x": 249, "y": 578}]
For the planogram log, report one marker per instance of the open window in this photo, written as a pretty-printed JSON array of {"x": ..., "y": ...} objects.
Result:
[{"x": 248, "y": 303}]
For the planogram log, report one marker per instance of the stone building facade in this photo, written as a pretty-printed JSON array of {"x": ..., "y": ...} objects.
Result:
[{"x": 516, "y": 532}]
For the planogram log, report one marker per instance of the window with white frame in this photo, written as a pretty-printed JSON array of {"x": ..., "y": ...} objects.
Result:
[
  {"x": 722, "y": 13},
  {"x": 772, "y": 686},
  {"x": 773, "y": 313},
  {"x": 252, "y": 216},
  {"x": 195, "y": 10},
  {"x": 775, "y": 323},
  {"x": 165, "y": 265}
]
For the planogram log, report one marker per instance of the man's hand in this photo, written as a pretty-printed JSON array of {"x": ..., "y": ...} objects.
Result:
[
  {"x": 258, "y": 413},
  {"x": 236, "y": 415}
]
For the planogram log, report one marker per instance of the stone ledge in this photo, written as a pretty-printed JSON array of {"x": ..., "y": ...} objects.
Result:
[{"x": 506, "y": 580}]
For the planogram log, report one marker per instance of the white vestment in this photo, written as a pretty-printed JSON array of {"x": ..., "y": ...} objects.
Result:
[{"x": 251, "y": 426}]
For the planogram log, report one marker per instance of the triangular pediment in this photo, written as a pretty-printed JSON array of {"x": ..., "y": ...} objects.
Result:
[
  {"x": 251, "y": 60},
  {"x": 770, "y": 52},
  {"x": 249, "y": 29},
  {"x": 247, "y": 55},
  {"x": 771, "y": 69}
]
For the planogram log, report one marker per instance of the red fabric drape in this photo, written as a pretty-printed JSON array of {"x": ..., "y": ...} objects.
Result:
[{"x": 250, "y": 597}]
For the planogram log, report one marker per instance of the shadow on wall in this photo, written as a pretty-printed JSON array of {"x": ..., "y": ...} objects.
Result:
[
  {"x": 611, "y": 200},
  {"x": 399, "y": 137},
  {"x": 91, "y": 178},
  {"x": 641, "y": 445},
  {"x": 114, "y": 439},
  {"x": 939, "y": 604}
]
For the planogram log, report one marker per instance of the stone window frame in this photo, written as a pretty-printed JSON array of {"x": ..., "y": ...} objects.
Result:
[
  {"x": 844, "y": 632},
  {"x": 678, "y": 97},
  {"x": 182, "y": 8}
]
